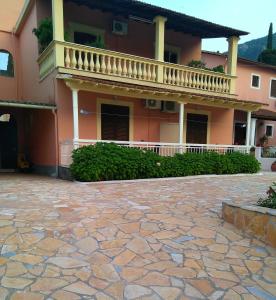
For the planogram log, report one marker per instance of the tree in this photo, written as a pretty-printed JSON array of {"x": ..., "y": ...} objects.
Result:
[
  {"x": 268, "y": 55},
  {"x": 270, "y": 38}
]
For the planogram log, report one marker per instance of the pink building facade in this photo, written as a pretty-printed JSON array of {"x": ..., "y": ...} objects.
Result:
[
  {"x": 135, "y": 88},
  {"x": 256, "y": 82}
]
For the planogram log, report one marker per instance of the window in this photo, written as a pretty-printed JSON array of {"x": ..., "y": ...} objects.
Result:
[
  {"x": 269, "y": 130},
  {"x": 273, "y": 88},
  {"x": 172, "y": 54},
  {"x": 255, "y": 81},
  {"x": 85, "y": 35},
  {"x": 6, "y": 64},
  {"x": 170, "y": 57}
]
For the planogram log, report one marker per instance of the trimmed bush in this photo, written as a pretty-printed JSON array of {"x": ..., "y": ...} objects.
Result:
[{"x": 105, "y": 161}]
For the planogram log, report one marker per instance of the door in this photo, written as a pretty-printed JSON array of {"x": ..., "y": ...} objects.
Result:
[
  {"x": 240, "y": 133},
  {"x": 115, "y": 122},
  {"x": 8, "y": 144},
  {"x": 197, "y": 128}
]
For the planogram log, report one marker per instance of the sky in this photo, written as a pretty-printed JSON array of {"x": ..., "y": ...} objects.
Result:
[{"x": 248, "y": 15}]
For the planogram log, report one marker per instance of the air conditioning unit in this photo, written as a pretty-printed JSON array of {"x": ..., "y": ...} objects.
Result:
[
  {"x": 120, "y": 28},
  {"x": 153, "y": 104},
  {"x": 170, "y": 107}
]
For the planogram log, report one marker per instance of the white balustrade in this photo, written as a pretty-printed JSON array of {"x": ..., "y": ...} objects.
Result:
[{"x": 105, "y": 62}]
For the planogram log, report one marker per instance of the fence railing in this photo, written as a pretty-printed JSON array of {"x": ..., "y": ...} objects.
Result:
[
  {"x": 121, "y": 66},
  {"x": 163, "y": 149}
]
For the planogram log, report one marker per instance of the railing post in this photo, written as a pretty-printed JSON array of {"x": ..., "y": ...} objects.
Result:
[{"x": 59, "y": 55}]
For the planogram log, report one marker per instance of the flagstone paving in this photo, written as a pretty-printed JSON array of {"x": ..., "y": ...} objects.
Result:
[{"x": 160, "y": 239}]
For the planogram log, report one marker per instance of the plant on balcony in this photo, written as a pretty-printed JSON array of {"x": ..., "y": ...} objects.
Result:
[
  {"x": 202, "y": 65},
  {"x": 105, "y": 161},
  {"x": 263, "y": 140},
  {"x": 197, "y": 64},
  {"x": 218, "y": 68},
  {"x": 99, "y": 43},
  {"x": 270, "y": 201},
  {"x": 44, "y": 33}
]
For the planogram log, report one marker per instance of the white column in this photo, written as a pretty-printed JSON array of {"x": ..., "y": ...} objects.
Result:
[
  {"x": 248, "y": 125},
  {"x": 75, "y": 97},
  {"x": 181, "y": 122},
  {"x": 253, "y": 132}
]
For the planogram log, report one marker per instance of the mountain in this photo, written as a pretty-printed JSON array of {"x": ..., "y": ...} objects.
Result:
[{"x": 253, "y": 48}]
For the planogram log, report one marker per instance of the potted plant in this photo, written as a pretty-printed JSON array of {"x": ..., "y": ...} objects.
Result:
[
  {"x": 263, "y": 141},
  {"x": 273, "y": 167},
  {"x": 44, "y": 33}
]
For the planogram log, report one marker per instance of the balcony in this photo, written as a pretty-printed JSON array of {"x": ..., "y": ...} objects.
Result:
[{"x": 118, "y": 67}]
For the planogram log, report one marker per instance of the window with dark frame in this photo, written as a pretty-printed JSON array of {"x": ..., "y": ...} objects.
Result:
[
  {"x": 6, "y": 64},
  {"x": 269, "y": 130},
  {"x": 255, "y": 81},
  {"x": 273, "y": 88}
]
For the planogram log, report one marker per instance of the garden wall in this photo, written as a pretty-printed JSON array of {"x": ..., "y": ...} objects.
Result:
[{"x": 254, "y": 220}]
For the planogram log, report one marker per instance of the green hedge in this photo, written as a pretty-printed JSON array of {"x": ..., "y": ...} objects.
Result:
[{"x": 112, "y": 162}]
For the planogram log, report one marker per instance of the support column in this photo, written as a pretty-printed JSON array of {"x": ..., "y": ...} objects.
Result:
[
  {"x": 248, "y": 125},
  {"x": 160, "y": 45},
  {"x": 58, "y": 20},
  {"x": 181, "y": 123},
  {"x": 253, "y": 132},
  {"x": 159, "y": 37},
  {"x": 232, "y": 61},
  {"x": 75, "y": 98}
]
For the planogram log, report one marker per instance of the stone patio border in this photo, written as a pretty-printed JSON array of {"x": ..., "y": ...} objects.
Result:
[
  {"x": 171, "y": 178},
  {"x": 257, "y": 221}
]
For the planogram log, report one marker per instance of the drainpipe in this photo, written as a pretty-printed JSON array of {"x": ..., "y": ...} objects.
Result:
[{"x": 54, "y": 112}]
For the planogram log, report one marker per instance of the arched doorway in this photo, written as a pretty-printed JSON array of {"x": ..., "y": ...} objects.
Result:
[{"x": 8, "y": 142}]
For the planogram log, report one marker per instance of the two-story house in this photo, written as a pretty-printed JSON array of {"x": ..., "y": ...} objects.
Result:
[
  {"x": 256, "y": 82},
  {"x": 116, "y": 70}
]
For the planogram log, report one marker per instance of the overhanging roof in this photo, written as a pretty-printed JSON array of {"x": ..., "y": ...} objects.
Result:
[
  {"x": 176, "y": 21},
  {"x": 243, "y": 60},
  {"x": 26, "y": 104}
]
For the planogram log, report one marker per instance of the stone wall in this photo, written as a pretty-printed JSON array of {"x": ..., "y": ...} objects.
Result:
[{"x": 254, "y": 220}]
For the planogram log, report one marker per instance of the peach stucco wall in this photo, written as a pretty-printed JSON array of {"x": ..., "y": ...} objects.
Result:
[
  {"x": 9, "y": 86},
  {"x": 244, "y": 89},
  {"x": 140, "y": 39},
  {"x": 146, "y": 122},
  {"x": 31, "y": 88},
  {"x": 244, "y": 72},
  {"x": 9, "y": 12}
]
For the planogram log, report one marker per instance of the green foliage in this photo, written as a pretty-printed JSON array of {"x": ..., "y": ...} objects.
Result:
[
  {"x": 270, "y": 201},
  {"x": 219, "y": 69},
  {"x": 270, "y": 37},
  {"x": 44, "y": 33},
  {"x": 202, "y": 65},
  {"x": 268, "y": 56},
  {"x": 113, "y": 162},
  {"x": 99, "y": 43},
  {"x": 197, "y": 64}
]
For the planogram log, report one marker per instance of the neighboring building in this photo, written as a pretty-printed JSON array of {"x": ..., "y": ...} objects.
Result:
[
  {"x": 136, "y": 90},
  {"x": 255, "y": 82}
]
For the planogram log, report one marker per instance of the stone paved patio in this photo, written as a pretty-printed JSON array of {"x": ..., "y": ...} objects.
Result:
[{"x": 161, "y": 239}]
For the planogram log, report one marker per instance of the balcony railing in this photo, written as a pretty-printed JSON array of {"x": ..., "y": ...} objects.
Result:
[
  {"x": 163, "y": 149},
  {"x": 110, "y": 65}
]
